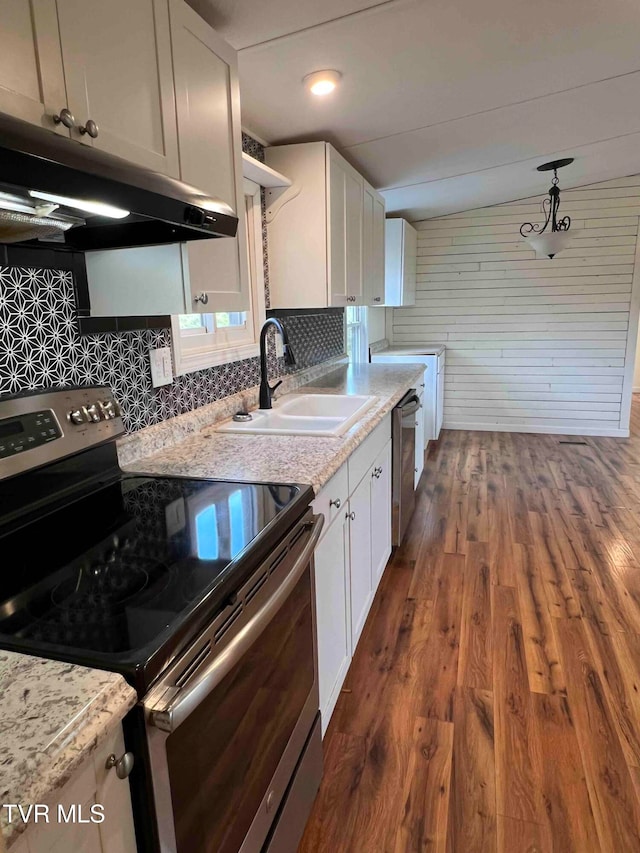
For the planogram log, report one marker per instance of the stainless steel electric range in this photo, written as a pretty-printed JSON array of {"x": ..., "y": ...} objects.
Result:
[{"x": 200, "y": 592}]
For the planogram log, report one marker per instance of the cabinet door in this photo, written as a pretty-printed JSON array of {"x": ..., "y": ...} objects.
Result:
[
  {"x": 31, "y": 76},
  {"x": 208, "y": 107},
  {"x": 439, "y": 402},
  {"x": 373, "y": 239},
  {"x": 380, "y": 514},
  {"x": 419, "y": 442},
  {"x": 409, "y": 264},
  {"x": 336, "y": 229},
  {"x": 344, "y": 186},
  {"x": 117, "y": 834},
  {"x": 353, "y": 237},
  {"x": 118, "y": 73},
  {"x": 361, "y": 585},
  {"x": 332, "y": 614}
]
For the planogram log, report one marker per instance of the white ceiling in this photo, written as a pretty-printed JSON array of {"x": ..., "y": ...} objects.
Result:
[{"x": 444, "y": 105}]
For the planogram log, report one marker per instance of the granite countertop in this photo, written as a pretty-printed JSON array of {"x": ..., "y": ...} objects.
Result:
[
  {"x": 287, "y": 458},
  {"x": 52, "y": 716}
]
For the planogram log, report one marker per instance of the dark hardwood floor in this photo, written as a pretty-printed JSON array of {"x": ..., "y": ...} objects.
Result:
[{"x": 493, "y": 703}]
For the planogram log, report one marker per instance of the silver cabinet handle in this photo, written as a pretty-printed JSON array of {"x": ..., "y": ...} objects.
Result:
[
  {"x": 337, "y": 503},
  {"x": 204, "y": 298},
  {"x": 377, "y": 299},
  {"x": 350, "y": 515},
  {"x": 91, "y": 128},
  {"x": 123, "y": 765},
  {"x": 65, "y": 117},
  {"x": 351, "y": 299}
]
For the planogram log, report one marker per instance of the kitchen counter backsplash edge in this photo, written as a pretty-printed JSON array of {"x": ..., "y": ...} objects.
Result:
[{"x": 164, "y": 435}]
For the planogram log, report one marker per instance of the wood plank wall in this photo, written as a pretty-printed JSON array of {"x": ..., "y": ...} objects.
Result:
[{"x": 533, "y": 345}]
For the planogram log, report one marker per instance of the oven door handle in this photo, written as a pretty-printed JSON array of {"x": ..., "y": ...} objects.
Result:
[{"x": 169, "y": 716}]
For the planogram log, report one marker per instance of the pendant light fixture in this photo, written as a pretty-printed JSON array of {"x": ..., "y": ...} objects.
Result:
[{"x": 544, "y": 239}]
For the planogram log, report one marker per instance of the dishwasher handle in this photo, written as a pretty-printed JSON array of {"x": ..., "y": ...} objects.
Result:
[{"x": 409, "y": 404}]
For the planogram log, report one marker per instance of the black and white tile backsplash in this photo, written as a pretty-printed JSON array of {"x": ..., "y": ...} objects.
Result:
[{"x": 40, "y": 347}]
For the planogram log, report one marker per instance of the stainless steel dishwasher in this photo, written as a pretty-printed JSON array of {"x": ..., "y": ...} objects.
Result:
[{"x": 403, "y": 433}]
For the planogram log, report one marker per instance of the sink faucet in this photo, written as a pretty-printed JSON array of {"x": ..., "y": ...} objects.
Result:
[{"x": 267, "y": 390}]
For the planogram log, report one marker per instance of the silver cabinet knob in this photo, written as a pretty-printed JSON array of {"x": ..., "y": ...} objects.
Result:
[
  {"x": 376, "y": 473},
  {"x": 65, "y": 117},
  {"x": 377, "y": 299},
  {"x": 123, "y": 765},
  {"x": 350, "y": 515},
  {"x": 351, "y": 299},
  {"x": 203, "y": 298},
  {"x": 337, "y": 503},
  {"x": 90, "y": 128}
]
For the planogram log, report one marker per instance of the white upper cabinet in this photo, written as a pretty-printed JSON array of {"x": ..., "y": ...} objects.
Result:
[
  {"x": 31, "y": 74},
  {"x": 205, "y": 275},
  {"x": 119, "y": 79},
  {"x": 208, "y": 108},
  {"x": 401, "y": 248},
  {"x": 315, "y": 228},
  {"x": 373, "y": 245}
]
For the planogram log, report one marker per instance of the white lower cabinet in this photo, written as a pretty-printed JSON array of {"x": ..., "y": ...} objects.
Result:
[
  {"x": 92, "y": 784},
  {"x": 360, "y": 557},
  {"x": 420, "y": 441},
  {"x": 380, "y": 514},
  {"x": 332, "y": 613},
  {"x": 351, "y": 557}
]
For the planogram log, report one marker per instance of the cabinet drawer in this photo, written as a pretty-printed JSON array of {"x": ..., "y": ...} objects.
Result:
[
  {"x": 337, "y": 489},
  {"x": 364, "y": 456}
]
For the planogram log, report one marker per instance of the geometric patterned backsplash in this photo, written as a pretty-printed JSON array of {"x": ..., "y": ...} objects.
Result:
[{"x": 40, "y": 347}]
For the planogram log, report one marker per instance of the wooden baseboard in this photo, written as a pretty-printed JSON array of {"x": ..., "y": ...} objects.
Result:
[{"x": 609, "y": 432}]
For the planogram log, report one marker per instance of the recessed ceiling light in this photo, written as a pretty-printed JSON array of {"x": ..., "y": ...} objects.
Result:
[{"x": 322, "y": 82}]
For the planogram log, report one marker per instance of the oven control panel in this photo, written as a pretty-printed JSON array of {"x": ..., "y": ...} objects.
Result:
[
  {"x": 40, "y": 427},
  {"x": 28, "y": 431}
]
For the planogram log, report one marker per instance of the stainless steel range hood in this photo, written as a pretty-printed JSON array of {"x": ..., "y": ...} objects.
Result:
[{"x": 60, "y": 192}]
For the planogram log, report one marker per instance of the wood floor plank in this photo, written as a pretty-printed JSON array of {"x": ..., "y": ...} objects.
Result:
[
  {"x": 475, "y": 663},
  {"x": 565, "y": 794},
  {"x": 543, "y": 661},
  {"x": 522, "y": 836},
  {"x": 423, "y": 826},
  {"x": 611, "y": 791},
  {"x": 472, "y": 818},
  {"x": 518, "y": 762}
]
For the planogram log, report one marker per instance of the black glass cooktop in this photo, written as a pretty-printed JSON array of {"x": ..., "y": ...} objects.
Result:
[{"x": 123, "y": 577}]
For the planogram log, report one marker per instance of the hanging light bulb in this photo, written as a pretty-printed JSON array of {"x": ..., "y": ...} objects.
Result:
[{"x": 550, "y": 242}]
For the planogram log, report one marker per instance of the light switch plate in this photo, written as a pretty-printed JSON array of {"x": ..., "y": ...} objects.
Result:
[{"x": 161, "y": 367}]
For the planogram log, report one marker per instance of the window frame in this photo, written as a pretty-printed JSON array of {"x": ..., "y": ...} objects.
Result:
[
  {"x": 362, "y": 326},
  {"x": 194, "y": 350}
]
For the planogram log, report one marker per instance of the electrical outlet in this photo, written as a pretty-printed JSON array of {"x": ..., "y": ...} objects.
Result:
[{"x": 161, "y": 367}]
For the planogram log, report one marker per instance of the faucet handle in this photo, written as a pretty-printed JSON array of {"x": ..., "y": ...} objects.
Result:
[{"x": 277, "y": 385}]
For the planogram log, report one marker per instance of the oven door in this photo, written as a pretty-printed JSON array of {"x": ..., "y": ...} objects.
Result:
[{"x": 229, "y": 721}]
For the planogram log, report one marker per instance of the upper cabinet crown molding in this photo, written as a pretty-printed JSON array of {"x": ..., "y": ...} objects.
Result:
[{"x": 321, "y": 230}]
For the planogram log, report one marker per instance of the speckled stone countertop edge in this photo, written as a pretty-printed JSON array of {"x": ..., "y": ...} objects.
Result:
[
  {"x": 279, "y": 458},
  {"x": 44, "y": 755}
]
